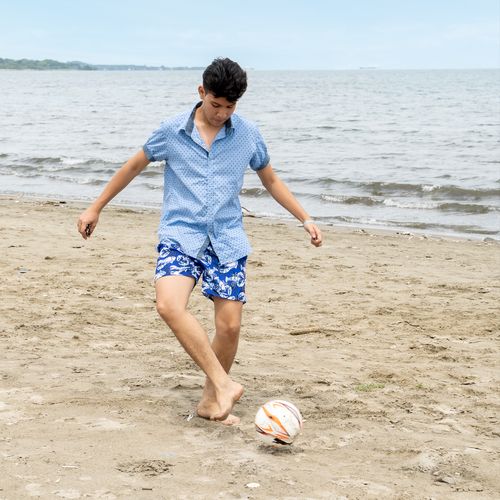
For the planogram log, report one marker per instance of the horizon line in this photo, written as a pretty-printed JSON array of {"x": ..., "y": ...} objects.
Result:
[{"x": 366, "y": 67}]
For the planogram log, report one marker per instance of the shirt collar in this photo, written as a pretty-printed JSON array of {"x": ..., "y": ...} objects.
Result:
[{"x": 189, "y": 124}]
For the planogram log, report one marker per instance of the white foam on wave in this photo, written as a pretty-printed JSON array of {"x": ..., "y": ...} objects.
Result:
[
  {"x": 430, "y": 187},
  {"x": 333, "y": 198},
  {"x": 73, "y": 161},
  {"x": 389, "y": 202}
]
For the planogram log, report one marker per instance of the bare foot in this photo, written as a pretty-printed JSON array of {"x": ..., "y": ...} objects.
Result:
[
  {"x": 226, "y": 398},
  {"x": 208, "y": 409},
  {"x": 230, "y": 420}
]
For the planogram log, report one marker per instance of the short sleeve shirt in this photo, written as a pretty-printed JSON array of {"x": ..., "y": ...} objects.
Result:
[{"x": 201, "y": 187}]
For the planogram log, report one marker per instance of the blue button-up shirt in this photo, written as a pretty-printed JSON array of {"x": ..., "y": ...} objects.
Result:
[{"x": 201, "y": 187}]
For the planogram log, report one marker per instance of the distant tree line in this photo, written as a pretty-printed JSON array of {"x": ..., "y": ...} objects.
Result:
[
  {"x": 44, "y": 64},
  {"x": 48, "y": 64}
]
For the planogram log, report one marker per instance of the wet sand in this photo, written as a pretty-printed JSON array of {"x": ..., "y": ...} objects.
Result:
[{"x": 388, "y": 343}]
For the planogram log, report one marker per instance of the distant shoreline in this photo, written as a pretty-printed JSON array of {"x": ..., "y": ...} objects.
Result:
[{"x": 50, "y": 64}]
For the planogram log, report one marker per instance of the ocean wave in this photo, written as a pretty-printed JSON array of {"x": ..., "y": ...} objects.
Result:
[
  {"x": 43, "y": 159},
  {"x": 153, "y": 170},
  {"x": 63, "y": 162},
  {"x": 467, "y": 208},
  {"x": 84, "y": 181},
  {"x": 451, "y": 191},
  {"x": 384, "y": 189},
  {"x": 307, "y": 138},
  {"x": 20, "y": 172},
  {"x": 151, "y": 186},
  {"x": 419, "y": 205},
  {"x": 253, "y": 192},
  {"x": 30, "y": 170},
  {"x": 77, "y": 161},
  {"x": 457, "y": 228},
  {"x": 423, "y": 226},
  {"x": 350, "y": 200}
]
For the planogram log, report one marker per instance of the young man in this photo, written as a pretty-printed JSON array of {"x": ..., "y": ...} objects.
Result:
[{"x": 206, "y": 152}]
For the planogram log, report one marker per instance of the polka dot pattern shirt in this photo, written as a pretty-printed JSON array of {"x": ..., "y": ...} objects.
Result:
[{"x": 201, "y": 187}]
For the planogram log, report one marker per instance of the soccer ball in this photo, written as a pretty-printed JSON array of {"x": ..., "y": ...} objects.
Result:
[{"x": 278, "y": 422}]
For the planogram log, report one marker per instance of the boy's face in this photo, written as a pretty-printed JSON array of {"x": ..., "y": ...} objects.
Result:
[{"x": 216, "y": 110}]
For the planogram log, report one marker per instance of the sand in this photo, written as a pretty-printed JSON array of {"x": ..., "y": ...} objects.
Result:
[{"x": 388, "y": 343}]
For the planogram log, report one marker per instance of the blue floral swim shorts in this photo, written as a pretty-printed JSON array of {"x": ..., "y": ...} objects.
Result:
[{"x": 226, "y": 281}]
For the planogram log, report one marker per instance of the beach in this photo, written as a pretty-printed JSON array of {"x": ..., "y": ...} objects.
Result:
[{"x": 386, "y": 341}]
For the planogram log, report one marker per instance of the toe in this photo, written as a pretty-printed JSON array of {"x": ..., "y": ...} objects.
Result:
[{"x": 231, "y": 420}]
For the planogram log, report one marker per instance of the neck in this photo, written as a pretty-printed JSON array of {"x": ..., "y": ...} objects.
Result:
[{"x": 201, "y": 120}]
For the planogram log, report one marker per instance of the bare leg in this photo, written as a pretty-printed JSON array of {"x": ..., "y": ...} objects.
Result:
[
  {"x": 172, "y": 296},
  {"x": 225, "y": 344}
]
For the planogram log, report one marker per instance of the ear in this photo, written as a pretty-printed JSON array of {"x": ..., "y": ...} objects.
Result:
[{"x": 201, "y": 92}]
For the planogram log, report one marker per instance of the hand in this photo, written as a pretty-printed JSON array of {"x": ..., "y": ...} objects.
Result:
[
  {"x": 87, "y": 222},
  {"x": 313, "y": 230}
]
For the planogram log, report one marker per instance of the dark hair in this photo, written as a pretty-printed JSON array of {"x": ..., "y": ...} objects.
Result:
[{"x": 225, "y": 78}]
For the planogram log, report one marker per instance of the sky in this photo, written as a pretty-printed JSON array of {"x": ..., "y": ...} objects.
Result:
[{"x": 259, "y": 34}]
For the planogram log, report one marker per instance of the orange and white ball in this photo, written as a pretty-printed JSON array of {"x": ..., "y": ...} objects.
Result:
[{"x": 278, "y": 422}]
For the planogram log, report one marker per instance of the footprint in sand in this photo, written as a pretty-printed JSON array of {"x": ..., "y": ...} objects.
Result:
[
  {"x": 348, "y": 439},
  {"x": 149, "y": 468}
]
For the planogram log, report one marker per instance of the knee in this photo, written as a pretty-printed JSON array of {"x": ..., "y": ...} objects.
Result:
[
  {"x": 228, "y": 329},
  {"x": 169, "y": 311}
]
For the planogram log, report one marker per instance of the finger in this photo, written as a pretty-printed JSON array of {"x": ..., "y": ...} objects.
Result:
[
  {"x": 316, "y": 238},
  {"x": 319, "y": 239},
  {"x": 310, "y": 230},
  {"x": 315, "y": 234},
  {"x": 82, "y": 230}
]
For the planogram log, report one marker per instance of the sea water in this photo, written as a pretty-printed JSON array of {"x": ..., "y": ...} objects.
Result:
[{"x": 411, "y": 150}]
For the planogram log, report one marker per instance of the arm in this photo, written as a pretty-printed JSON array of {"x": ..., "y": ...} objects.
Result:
[
  {"x": 133, "y": 167},
  {"x": 279, "y": 191}
]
